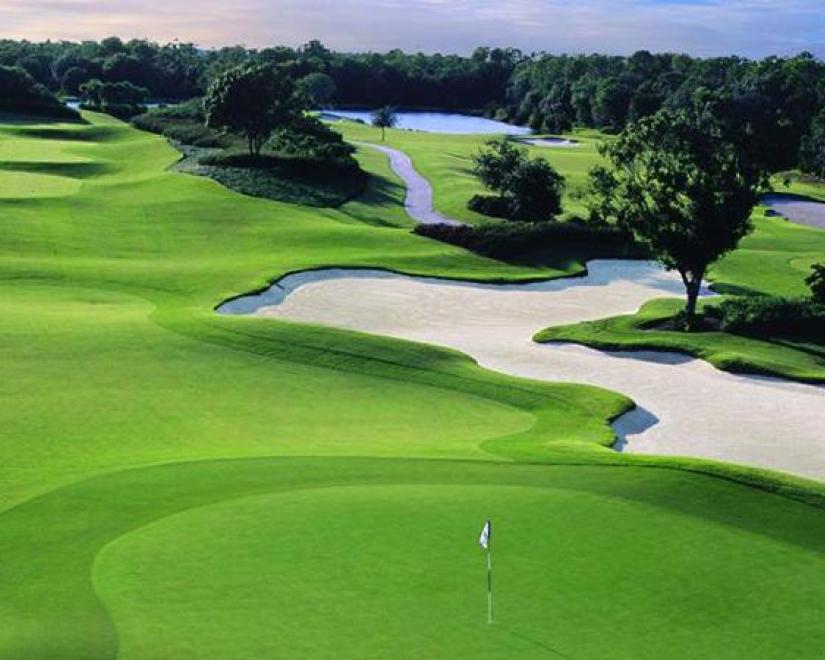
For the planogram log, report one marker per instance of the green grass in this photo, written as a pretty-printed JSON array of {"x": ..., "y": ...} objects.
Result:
[
  {"x": 182, "y": 484},
  {"x": 730, "y": 352},
  {"x": 445, "y": 161},
  {"x": 377, "y": 558}
]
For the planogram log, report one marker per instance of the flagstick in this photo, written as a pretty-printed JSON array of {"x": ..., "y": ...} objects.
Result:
[{"x": 489, "y": 586}]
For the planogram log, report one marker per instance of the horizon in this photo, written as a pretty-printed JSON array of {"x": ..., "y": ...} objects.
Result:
[{"x": 700, "y": 28}]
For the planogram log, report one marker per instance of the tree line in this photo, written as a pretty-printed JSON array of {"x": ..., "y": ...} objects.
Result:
[{"x": 779, "y": 102}]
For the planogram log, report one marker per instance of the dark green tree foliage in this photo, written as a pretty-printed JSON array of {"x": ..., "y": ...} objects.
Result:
[
  {"x": 318, "y": 88},
  {"x": 72, "y": 79},
  {"x": 680, "y": 187},
  {"x": 384, "y": 118},
  {"x": 812, "y": 152},
  {"x": 816, "y": 281},
  {"x": 121, "y": 99},
  {"x": 526, "y": 189},
  {"x": 310, "y": 139},
  {"x": 253, "y": 101},
  {"x": 19, "y": 92}
]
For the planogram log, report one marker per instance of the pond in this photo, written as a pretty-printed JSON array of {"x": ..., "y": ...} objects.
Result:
[
  {"x": 436, "y": 122},
  {"x": 74, "y": 104}
]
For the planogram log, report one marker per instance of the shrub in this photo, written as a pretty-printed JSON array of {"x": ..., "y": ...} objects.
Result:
[
  {"x": 765, "y": 315},
  {"x": 184, "y": 123},
  {"x": 310, "y": 139},
  {"x": 508, "y": 241},
  {"x": 528, "y": 189},
  {"x": 816, "y": 281},
  {"x": 491, "y": 205}
]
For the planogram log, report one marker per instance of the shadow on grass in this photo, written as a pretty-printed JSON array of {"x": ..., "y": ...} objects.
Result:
[{"x": 379, "y": 192}]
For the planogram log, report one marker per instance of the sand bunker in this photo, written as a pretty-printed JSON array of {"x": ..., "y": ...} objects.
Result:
[
  {"x": 798, "y": 209},
  {"x": 551, "y": 142},
  {"x": 419, "y": 200},
  {"x": 686, "y": 407}
]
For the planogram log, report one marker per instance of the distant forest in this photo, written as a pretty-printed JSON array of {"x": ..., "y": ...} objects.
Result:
[{"x": 780, "y": 99}]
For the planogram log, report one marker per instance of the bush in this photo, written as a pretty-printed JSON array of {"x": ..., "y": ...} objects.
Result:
[
  {"x": 765, "y": 315},
  {"x": 490, "y": 205},
  {"x": 184, "y": 123},
  {"x": 122, "y": 111},
  {"x": 816, "y": 281},
  {"x": 515, "y": 242},
  {"x": 309, "y": 139},
  {"x": 529, "y": 190}
]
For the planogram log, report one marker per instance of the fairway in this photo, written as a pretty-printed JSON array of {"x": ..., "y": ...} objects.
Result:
[{"x": 179, "y": 483}]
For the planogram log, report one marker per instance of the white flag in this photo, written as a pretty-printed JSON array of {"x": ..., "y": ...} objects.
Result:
[{"x": 486, "y": 533}]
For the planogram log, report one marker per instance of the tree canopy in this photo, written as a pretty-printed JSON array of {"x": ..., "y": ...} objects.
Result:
[
  {"x": 526, "y": 189},
  {"x": 384, "y": 118},
  {"x": 816, "y": 281},
  {"x": 772, "y": 101},
  {"x": 254, "y": 101},
  {"x": 680, "y": 185},
  {"x": 19, "y": 92}
]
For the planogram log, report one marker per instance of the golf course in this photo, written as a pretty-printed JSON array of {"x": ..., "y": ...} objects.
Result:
[{"x": 235, "y": 427}]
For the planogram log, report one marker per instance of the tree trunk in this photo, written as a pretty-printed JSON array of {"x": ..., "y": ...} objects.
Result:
[
  {"x": 382, "y": 134},
  {"x": 251, "y": 145},
  {"x": 693, "y": 285}
]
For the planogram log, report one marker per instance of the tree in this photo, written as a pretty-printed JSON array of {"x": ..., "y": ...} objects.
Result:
[
  {"x": 535, "y": 191},
  {"x": 816, "y": 281},
  {"x": 19, "y": 92},
  {"x": 72, "y": 79},
  {"x": 91, "y": 92},
  {"x": 528, "y": 189},
  {"x": 254, "y": 101},
  {"x": 812, "y": 153},
  {"x": 682, "y": 188},
  {"x": 319, "y": 88},
  {"x": 384, "y": 118},
  {"x": 493, "y": 164}
]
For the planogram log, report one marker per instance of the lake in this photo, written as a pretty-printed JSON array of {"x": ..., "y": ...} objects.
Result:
[{"x": 437, "y": 122}]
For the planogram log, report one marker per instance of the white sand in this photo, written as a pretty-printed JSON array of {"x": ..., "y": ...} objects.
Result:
[
  {"x": 798, "y": 209},
  {"x": 552, "y": 143},
  {"x": 419, "y": 200},
  {"x": 686, "y": 407}
]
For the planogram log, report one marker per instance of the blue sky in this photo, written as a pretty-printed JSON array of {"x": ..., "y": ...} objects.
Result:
[{"x": 700, "y": 27}]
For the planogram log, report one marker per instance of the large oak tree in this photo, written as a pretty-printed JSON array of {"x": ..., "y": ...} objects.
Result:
[{"x": 681, "y": 187}]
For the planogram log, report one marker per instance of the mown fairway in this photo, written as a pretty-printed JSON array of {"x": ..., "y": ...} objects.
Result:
[{"x": 180, "y": 484}]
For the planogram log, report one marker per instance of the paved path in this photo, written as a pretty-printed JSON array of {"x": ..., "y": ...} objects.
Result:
[{"x": 419, "y": 200}]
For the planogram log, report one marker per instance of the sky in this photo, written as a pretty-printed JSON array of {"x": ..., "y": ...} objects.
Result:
[{"x": 752, "y": 28}]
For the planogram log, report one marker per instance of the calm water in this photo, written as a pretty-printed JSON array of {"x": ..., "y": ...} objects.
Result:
[
  {"x": 75, "y": 105},
  {"x": 438, "y": 122}
]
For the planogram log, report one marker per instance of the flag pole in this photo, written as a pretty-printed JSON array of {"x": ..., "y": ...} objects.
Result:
[{"x": 489, "y": 585}]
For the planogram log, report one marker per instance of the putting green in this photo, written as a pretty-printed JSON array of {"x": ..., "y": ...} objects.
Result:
[
  {"x": 315, "y": 557},
  {"x": 394, "y": 571}
]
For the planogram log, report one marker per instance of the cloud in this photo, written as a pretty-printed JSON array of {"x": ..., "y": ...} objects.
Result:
[{"x": 701, "y": 27}]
